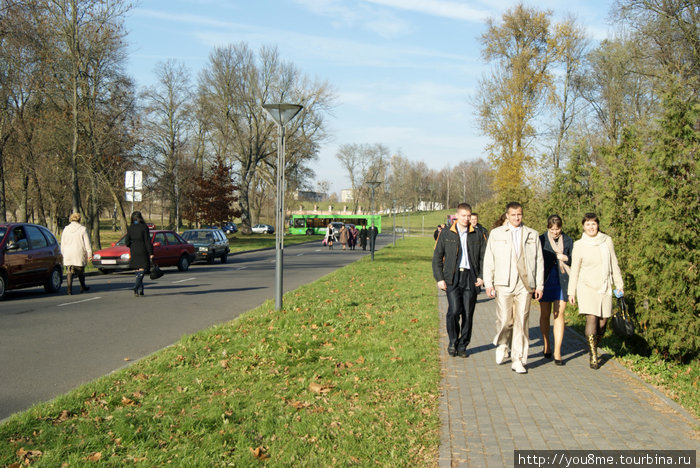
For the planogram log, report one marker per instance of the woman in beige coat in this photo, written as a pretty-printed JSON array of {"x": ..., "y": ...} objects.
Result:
[
  {"x": 76, "y": 249},
  {"x": 594, "y": 268}
]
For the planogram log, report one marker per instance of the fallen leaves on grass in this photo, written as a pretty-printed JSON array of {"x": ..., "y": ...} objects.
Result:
[
  {"x": 128, "y": 401},
  {"x": 259, "y": 452},
  {"x": 320, "y": 389},
  {"x": 95, "y": 456},
  {"x": 27, "y": 456}
]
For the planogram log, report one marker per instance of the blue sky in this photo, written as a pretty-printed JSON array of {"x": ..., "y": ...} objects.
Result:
[{"x": 405, "y": 72}]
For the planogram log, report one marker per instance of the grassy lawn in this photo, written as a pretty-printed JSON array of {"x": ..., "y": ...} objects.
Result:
[{"x": 348, "y": 373}]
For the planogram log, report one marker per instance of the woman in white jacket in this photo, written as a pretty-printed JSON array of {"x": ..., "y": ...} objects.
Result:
[
  {"x": 76, "y": 249},
  {"x": 594, "y": 268}
]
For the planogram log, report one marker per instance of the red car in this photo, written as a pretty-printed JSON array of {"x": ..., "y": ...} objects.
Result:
[
  {"x": 169, "y": 249},
  {"x": 29, "y": 256}
]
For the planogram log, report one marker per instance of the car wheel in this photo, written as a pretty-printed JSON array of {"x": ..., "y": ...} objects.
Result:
[
  {"x": 224, "y": 257},
  {"x": 309, "y": 232},
  {"x": 184, "y": 263},
  {"x": 3, "y": 285},
  {"x": 53, "y": 283}
]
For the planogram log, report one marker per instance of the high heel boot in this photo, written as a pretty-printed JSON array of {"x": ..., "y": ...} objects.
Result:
[{"x": 592, "y": 351}]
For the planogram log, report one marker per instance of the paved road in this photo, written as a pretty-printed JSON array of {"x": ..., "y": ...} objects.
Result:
[
  {"x": 488, "y": 411},
  {"x": 50, "y": 344}
]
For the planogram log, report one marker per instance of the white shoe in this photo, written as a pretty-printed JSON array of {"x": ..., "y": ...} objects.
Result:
[
  {"x": 518, "y": 367},
  {"x": 501, "y": 353}
]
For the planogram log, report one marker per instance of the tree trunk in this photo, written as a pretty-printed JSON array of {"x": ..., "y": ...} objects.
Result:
[
  {"x": 123, "y": 223},
  {"x": 3, "y": 204},
  {"x": 74, "y": 84}
]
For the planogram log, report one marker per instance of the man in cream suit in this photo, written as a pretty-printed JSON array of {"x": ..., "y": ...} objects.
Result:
[{"x": 513, "y": 271}]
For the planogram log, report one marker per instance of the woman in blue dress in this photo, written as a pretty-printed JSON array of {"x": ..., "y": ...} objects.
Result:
[{"x": 556, "y": 250}]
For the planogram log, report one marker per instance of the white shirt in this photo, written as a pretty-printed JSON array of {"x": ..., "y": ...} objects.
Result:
[
  {"x": 464, "y": 261},
  {"x": 516, "y": 233}
]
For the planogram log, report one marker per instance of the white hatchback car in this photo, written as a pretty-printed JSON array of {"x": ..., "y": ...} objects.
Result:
[{"x": 263, "y": 229}]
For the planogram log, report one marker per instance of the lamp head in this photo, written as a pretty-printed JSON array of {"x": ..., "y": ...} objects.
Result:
[{"x": 282, "y": 113}]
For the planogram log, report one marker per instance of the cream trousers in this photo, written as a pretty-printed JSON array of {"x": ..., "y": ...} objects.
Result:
[{"x": 512, "y": 315}]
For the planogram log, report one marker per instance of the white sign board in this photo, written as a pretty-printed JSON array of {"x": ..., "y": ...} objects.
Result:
[
  {"x": 133, "y": 180},
  {"x": 133, "y": 196}
]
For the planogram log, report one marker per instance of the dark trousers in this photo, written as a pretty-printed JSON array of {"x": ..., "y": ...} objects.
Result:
[
  {"x": 461, "y": 301},
  {"x": 138, "y": 286}
]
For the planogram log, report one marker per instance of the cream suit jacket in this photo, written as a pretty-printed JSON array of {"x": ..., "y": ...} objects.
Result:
[{"x": 497, "y": 260}]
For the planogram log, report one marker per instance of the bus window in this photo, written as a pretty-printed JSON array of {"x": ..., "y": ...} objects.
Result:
[{"x": 300, "y": 223}]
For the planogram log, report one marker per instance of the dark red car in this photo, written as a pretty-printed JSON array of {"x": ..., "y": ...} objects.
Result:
[
  {"x": 29, "y": 256},
  {"x": 169, "y": 249}
]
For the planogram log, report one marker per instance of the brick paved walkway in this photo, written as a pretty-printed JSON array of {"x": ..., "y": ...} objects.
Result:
[{"x": 487, "y": 410}]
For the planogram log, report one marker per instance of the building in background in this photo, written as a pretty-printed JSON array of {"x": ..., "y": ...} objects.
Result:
[{"x": 309, "y": 195}]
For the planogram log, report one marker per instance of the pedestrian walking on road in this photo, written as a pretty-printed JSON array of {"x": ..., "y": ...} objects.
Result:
[
  {"x": 372, "y": 233},
  {"x": 594, "y": 269},
  {"x": 458, "y": 260},
  {"x": 513, "y": 271},
  {"x": 363, "y": 237},
  {"x": 77, "y": 252},
  {"x": 344, "y": 236},
  {"x": 556, "y": 252},
  {"x": 138, "y": 239},
  {"x": 329, "y": 236}
]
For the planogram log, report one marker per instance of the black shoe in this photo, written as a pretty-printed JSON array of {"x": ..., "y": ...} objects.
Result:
[
  {"x": 548, "y": 355},
  {"x": 451, "y": 350},
  {"x": 558, "y": 362},
  {"x": 462, "y": 353},
  {"x": 140, "y": 293},
  {"x": 84, "y": 289}
]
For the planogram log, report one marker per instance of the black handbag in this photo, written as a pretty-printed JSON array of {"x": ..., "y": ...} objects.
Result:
[
  {"x": 156, "y": 272},
  {"x": 622, "y": 320}
]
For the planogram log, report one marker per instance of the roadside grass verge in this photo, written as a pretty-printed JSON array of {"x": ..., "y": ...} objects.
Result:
[
  {"x": 243, "y": 242},
  {"x": 347, "y": 373},
  {"x": 680, "y": 382}
]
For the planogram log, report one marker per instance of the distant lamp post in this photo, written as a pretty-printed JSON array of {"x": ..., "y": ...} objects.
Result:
[
  {"x": 393, "y": 208},
  {"x": 373, "y": 184},
  {"x": 281, "y": 114}
]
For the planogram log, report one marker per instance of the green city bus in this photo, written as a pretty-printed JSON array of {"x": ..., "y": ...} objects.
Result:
[{"x": 317, "y": 224}]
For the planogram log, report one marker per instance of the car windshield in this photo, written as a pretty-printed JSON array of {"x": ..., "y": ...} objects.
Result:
[
  {"x": 3, "y": 230},
  {"x": 198, "y": 236},
  {"x": 121, "y": 241}
]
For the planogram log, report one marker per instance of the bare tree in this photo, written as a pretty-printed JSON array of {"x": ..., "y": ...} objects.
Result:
[
  {"x": 78, "y": 26},
  {"x": 363, "y": 162},
  {"x": 571, "y": 45},
  {"x": 168, "y": 123},
  {"x": 234, "y": 87}
]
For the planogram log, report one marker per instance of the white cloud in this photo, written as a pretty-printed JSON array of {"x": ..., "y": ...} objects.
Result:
[
  {"x": 441, "y": 8},
  {"x": 380, "y": 22}
]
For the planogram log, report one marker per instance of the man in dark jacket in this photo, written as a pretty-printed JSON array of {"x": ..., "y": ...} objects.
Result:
[{"x": 458, "y": 262}]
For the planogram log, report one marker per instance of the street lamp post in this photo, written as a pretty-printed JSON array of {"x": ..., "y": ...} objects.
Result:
[
  {"x": 281, "y": 114},
  {"x": 373, "y": 184},
  {"x": 393, "y": 208}
]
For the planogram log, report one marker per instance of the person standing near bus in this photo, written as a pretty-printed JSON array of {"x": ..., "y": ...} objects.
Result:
[
  {"x": 329, "y": 236},
  {"x": 372, "y": 236},
  {"x": 363, "y": 237},
  {"x": 344, "y": 235},
  {"x": 353, "y": 237}
]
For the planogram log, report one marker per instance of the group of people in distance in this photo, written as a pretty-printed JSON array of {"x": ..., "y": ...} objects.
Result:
[
  {"x": 348, "y": 237},
  {"x": 516, "y": 264}
]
